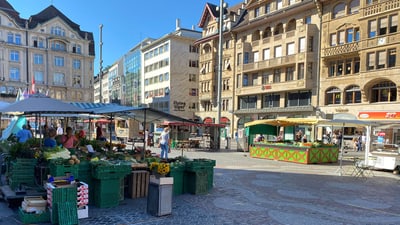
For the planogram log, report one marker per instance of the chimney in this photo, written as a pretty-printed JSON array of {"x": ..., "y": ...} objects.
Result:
[
  {"x": 178, "y": 24},
  {"x": 193, "y": 28}
]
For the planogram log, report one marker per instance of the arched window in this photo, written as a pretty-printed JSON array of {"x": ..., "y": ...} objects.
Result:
[
  {"x": 58, "y": 46},
  {"x": 255, "y": 36},
  {"x": 278, "y": 29},
  {"x": 339, "y": 10},
  {"x": 333, "y": 96},
  {"x": 354, "y": 6},
  {"x": 291, "y": 25},
  {"x": 267, "y": 32},
  {"x": 384, "y": 92},
  {"x": 207, "y": 48},
  {"x": 353, "y": 94}
]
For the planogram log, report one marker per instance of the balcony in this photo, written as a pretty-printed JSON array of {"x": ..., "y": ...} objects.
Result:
[
  {"x": 207, "y": 57},
  {"x": 341, "y": 49},
  {"x": 275, "y": 62},
  {"x": 381, "y": 7}
]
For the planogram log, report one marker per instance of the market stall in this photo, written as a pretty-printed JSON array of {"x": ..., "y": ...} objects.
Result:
[{"x": 279, "y": 141}]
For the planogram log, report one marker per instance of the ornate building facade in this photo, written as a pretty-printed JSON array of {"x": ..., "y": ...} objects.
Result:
[{"x": 47, "y": 53}]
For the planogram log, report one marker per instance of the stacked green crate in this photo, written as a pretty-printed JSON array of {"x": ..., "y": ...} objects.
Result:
[
  {"x": 56, "y": 196},
  {"x": 108, "y": 181},
  {"x": 85, "y": 175},
  {"x": 33, "y": 218},
  {"x": 177, "y": 171},
  {"x": 60, "y": 170},
  {"x": 21, "y": 171}
]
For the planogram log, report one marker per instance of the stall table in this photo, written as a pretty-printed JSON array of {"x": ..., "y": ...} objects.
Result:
[{"x": 297, "y": 154}]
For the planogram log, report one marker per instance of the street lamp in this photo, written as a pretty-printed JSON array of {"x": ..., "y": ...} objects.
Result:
[{"x": 221, "y": 8}]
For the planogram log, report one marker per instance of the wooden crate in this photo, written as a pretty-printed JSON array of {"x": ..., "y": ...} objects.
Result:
[{"x": 138, "y": 183}]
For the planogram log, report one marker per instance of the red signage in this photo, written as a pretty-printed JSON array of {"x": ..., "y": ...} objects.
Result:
[{"x": 378, "y": 115}]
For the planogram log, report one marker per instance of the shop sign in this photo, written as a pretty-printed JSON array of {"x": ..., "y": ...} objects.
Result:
[
  {"x": 179, "y": 106},
  {"x": 379, "y": 115}
]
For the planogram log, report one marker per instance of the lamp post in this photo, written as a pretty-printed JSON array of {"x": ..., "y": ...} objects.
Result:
[
  {"x": 221, "y": 10},
  {"x": 101, "y": 64}
]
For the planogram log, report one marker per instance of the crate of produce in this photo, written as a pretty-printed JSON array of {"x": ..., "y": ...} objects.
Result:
[
  {"x": 33, "y": 218},
  {"x": 138, "y": 183}
]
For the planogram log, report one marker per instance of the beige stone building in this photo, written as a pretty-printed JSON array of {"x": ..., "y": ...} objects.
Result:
[
  {"x": 270, "y": 59},
  {"x": 47, "y": 50},
  {"x": 359, "y": 63}
]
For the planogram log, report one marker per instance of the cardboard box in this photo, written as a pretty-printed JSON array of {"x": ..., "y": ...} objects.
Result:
[{"x": 83, "y": 212}]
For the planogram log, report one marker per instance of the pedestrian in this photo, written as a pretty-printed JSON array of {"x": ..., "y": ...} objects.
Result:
[
  {"x": 164, "y": 143},
  {"x": 24, "y": 134},
  {"x": 99, "y": 133},
  {"x": 69, "y": 140},
  {"x": 50, "y": 140},
  {"x": 60, "y": 130}
]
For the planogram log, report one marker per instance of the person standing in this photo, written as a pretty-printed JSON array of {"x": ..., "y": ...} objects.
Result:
[
  {"x": 99, "y": 132},
  {"x": 69, "y": 140},
  {"x": 50, "y": 140},
  {"x": 24, "y": 134},
  {"x": 60, "y": 130},
  {"x": 164, "y": 143}
]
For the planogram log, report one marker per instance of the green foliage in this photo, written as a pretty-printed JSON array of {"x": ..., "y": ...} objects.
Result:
[{"x": 21, "y": 150}]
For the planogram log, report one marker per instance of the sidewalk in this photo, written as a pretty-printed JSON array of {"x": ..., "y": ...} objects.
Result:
[{"x": 258, "y": 191}]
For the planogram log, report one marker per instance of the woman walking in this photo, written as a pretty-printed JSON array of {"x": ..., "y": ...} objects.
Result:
[{"x": 164, "y": 143}]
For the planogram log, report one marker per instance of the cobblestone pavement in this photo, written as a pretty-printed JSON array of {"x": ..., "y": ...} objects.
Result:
[{"x": 258, "y": 191}]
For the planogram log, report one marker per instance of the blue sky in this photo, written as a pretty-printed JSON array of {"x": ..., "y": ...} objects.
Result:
[{"x": 125, "y": 22}]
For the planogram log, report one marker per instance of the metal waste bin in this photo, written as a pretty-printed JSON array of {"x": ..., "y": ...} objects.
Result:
[{"x": 159, "y": 198}]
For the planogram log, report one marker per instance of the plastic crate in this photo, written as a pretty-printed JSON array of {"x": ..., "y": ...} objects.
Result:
[
  {"x": 33, "y": 218},
  {"x": 196, "y": 182},
  {"x": 107, "y": 192},
  {"x": 67, "y": 213},
  {"x": 111, "y": 171},
  {"x": 57, "y": 170}
]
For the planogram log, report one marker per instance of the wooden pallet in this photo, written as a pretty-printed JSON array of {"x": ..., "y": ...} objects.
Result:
[{"x": 138, "y": 184}]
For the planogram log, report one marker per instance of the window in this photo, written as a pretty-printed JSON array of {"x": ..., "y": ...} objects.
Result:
[
  {"x": 353, "y": 95},
  {"x": 277, "y": 75},
  {"x": 248, "y": 102},
  {"x": 239, "y": 59},
  {"x": 341, "y": 36},
  {"x": 265, "y": 78},
  {"x": 267, "y": 8},
  {"x": 299, "y": 99},
  {"x": 310, "y": 43},
  {"x": 302, "y": 44},
  {"x": 254, "y": 80},
  {"x": 371, "y": 28},
  {"x": 14, "y": 74},
  {"x": 348, "y": 67},
  {"x": 193, "y": 63},
  {"x": 266, "y": 54},
  {"x": 279, "y": 4},
  {"x": 350, "y": 35},
  {"x": 339, "y": 10},
  {"x": 58, "y": 46},
  {"x": 289, "y": 73},
  {"x": 383, "y": 23},
  {"x": 10, "y": 38},
  {"x": 384, "y": 92},
  {"x": 333, "y": 39},
  {"x": 290, "y": 49},
  {"x": 192, "y": 48},
  {"x": 58, "y": 61},
  {"x": 255, "y": 56},
  {"x": 381, "y": 59},
  {"x": 256, "y": 12},
  {"x": 291, "y": 2},
  {"x": 307, "y": 20},
  {"x": 166, "y": 76},
  {"x": 371, "y": 61},
  {"x": 193, "y": 92},
  {"x": 278, "y": 51},
  {"x": 39, "y": 77},
  {"x": 245, "y": 80},
  {"x": 392, "y": 58},
  {"x": 370, "y": 2},
  {"x": 354, "y": 6},
  {"x": 339, "y": 70},
  {"x": 14, "y": 56},
  {"x": 333, "y": 96},
  {"x": 59, "y": 79},
  {"x": 393, "y": 24},
  {"x": 160, "y": 78},
  {"x": 356, "y": 65},
  {"x": 58, "y": 31},
  {"x": 246, "y": 58},
  {"x": 76, "y": 63},
  {"x": 18, "y": 39},
  {"x": 300, "y": 71},
  {"x": 76, "y": 49},
  {"x": 76, "y": 81},
  {"x": 271, "y": 100},
  {"x": 192, "y": 77},
  {"x": 38, "y": 59}
]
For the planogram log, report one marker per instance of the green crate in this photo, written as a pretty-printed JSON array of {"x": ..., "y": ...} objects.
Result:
[
  {"x": 14, "y": 183},
  {"x": 111, "y": 172},
  {"x": 63, "y": 194},
  {"x": 67, "y": 213},
  {"x": 107, "y": 192},
  {"x": 57, "y": 170},
  {"x": 177, "y": 172},
  {"x": 33, "y": 218},
  {"x": 196, "y": 182}
]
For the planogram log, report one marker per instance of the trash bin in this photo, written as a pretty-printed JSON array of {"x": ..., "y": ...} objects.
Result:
[
  {"x": 159, "y": 199},
  {"x": 177, "y": 172}
]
